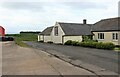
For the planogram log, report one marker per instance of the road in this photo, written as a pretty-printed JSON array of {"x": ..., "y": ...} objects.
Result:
[
  {"x": 18, "y": 60},
  {"x": 106, "y": 59}
]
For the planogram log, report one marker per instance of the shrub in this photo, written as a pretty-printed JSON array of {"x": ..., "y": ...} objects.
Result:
[
  {"x": 69, "y": 42},
  {"x": 75, "y": 43},
  {"x": 86, "y": 38},
  {"x": 50, "y": 42},
  {"x": 94, "y": 44},
  {"x": 109, "y": 46},
  {"x": 98, "y": 45}
]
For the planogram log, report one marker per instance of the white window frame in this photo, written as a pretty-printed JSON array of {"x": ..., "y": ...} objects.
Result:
[
  {"x": 115, "y": 36},
  {"x": 99, "y": 36}
]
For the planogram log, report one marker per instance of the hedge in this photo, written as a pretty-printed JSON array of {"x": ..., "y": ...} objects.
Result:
[
  {"x": 69, "y": 42},
  {"x": 98, "y": 45}
]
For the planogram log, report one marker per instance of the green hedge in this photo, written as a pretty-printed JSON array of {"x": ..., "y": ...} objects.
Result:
[
  {"x": 98, "y": 45},
  {"x": 69, "y": 42}
]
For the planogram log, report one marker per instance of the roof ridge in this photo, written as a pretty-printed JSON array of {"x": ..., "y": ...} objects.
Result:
[
  {"x": 73, "y": 23},
  {"x": 106, "y": 19},
  {"x": 110, "y": 18}
]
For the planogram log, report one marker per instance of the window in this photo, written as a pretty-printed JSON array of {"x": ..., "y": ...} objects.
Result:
[
  {"x": 56, "y": 30},
  {"x": 115, "y": 36},
  {"x": 100, "y": 36}
]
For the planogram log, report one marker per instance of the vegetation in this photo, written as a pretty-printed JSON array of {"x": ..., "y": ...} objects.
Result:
[
  {"x": 69, "y": 42},
  {"x": 117, "y": 48},
  {"x": 18, "y": 38},
  {"x": 30, "y": 32},
  {"x": 98, "y": 45},
  {"x": 88, "y": 39}
]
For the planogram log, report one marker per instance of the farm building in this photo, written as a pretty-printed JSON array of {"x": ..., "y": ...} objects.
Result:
[{"x": 2, "y": 31}]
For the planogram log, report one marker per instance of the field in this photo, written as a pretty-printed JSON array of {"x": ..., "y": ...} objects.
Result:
[{"x": 18, "y": 38}]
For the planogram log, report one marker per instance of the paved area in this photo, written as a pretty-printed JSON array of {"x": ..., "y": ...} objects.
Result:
[
  {"x": 106, "y": 59},
  {"x": 28, "y": 61}
]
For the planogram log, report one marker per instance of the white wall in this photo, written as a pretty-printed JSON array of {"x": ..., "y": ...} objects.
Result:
[
  {"x": 40, "y": 37},
  {"x": 57, "y": 39},
  {"x": 47, "y": 38},
  {"x": 44, "y": 38},
  {"x": 73, "y": 38}
]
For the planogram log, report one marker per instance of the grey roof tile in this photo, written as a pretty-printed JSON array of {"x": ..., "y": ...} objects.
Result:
[
  {"x": 47, "y": 31},
  {"x": 76, "y": 28},
  {"x": 111, "y": 24}
]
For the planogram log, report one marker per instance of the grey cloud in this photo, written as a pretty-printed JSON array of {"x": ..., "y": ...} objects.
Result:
[
  {"x": 85, "y": 5},
  {"x": 33, "y": 6},
  {"x": 39, "y": 6}
]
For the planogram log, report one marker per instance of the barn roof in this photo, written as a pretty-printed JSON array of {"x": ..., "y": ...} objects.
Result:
[{"x": 1, "y": 27}]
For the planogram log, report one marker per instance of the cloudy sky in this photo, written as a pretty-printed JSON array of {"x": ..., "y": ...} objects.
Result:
[{"x": 30, "y": 15}]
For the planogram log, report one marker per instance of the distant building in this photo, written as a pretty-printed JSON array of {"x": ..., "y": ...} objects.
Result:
[
  {"x": 45, "y": 35},
  {"x": 2, "y": 31},
  {"x": 62, "y": 32},
  {"x": 105, "y": 30}
]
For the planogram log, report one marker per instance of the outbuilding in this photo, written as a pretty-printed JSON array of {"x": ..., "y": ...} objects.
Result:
[{"x": 2, "y": 31}]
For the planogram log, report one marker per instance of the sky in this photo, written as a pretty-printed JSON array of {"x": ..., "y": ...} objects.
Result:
[{"x": 36, "y": 15}]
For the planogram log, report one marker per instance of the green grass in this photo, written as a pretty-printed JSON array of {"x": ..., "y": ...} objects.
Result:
[
  {"x": 117, "y": 48},
  {"x": 18, "y": 38}
]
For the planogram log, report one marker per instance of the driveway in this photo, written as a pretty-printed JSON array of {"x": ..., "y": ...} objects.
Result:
[
  {"x": 29, "y": 61},
  {"x": 106, "y": 59}
]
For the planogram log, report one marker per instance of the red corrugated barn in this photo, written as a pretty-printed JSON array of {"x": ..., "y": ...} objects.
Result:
[{"x": 2, "y": 31}]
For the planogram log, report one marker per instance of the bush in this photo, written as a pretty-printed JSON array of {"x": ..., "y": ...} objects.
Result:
[
  {"x": 69, "y": 42},
  {"x": 109, "y": 46},
  {"x": 50, "y": 42},
  {"x": 98, "y": 45},
  {"x": 75, "y": 43}
]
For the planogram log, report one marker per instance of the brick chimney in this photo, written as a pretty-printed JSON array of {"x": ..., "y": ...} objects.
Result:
[{"x": 84, "y": 21}]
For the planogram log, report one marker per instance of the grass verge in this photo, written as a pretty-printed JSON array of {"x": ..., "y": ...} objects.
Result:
[
  {"x": 18, "y": 38},
  {"x": 117, "y": 49}
]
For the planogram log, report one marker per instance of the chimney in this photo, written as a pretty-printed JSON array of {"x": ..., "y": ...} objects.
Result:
[{"x": 84, "y": 21}]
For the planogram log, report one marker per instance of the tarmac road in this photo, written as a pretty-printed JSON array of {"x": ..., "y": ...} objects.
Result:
[{"x": 106, "y": 59}]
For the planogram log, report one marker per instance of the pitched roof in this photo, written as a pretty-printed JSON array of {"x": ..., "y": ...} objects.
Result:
[
  {"x": 47, "y": 31},
  {"x": 111, "y": 24},
  {"x": 75, "y": 28}
]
